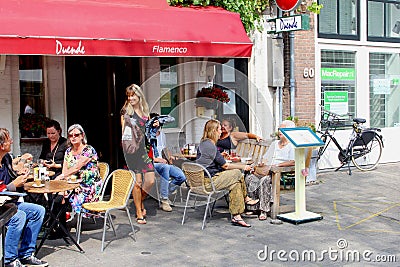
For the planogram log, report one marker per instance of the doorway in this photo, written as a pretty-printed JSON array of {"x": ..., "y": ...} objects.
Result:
[{"x": 95, "y": 93}]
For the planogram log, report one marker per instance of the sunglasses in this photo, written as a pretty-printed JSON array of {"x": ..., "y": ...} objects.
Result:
[{"x": 74, "y": 135}]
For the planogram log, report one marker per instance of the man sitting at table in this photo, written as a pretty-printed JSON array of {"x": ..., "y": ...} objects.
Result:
[
  {"x": 26, "y": 223},
  {"x": 165, "y": 170}
]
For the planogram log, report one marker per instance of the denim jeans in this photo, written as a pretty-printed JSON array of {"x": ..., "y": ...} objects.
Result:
[
  {"x": 32, "y": 215},
  {"x": 170, "y": 174}
]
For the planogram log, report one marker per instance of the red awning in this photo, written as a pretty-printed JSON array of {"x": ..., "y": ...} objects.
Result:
[{"x": 119, "y": 28}]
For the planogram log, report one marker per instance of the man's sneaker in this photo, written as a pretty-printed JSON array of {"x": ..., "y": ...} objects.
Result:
[
  {"x": 173, "y": 189},
  {"x": 15, "y": 263},
  {"x": 165, "y": 205},
  {"x": 33, "y": 261}
]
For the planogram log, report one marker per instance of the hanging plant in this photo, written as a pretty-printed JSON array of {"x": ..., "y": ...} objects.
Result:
[{"x": 209, "y": 97}]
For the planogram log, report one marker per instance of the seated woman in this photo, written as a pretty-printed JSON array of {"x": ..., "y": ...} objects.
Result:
[
  {"x": 81, "y": 159},
  {"x": 229, "y": 139},
  {"x": 53, "y": 148},
  {"x": 224, "y": 175},
  {"x": 281, "y": 154}
]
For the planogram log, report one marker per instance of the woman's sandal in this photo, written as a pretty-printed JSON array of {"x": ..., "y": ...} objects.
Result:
[
  {"x": 239, "y": 222},
  {"x": 141, "y": 220},
  {"x": 251, "y": 202},
  {"x": 144, "y": 213}
]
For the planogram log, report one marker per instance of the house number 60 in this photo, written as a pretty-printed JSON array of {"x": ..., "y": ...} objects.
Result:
[{"x": 308, "y": 73}]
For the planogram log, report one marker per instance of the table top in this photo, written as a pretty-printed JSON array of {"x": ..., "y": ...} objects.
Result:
[
  {"x": 188, "y": 156},
  {"x": 52, "y": 186}
]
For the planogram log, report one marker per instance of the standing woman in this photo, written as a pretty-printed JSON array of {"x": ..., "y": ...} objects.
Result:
[
  {"x": 224, "y": 175},
  {"x": 134, "y": 115},
  {"x": 81, "y": 159},
  {"x": 53, "y": 148}
]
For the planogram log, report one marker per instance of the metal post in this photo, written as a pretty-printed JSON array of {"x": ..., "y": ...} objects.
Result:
[{"x": 292, "y": 78}]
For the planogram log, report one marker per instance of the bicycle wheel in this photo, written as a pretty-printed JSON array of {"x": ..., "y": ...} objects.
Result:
[{"x": 366, "y": 157}]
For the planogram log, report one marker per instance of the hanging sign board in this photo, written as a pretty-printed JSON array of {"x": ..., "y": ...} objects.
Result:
[{"x": 287, "y": 5}]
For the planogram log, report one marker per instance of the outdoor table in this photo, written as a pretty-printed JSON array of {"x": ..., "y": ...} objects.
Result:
[
  {"x": 6, "y": 212},
  {"x": 187, "y": 156},
  {"x": 54, "y": 187}
]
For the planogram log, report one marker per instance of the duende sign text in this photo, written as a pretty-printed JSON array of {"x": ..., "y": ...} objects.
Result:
[{"x": 286, "y": 24}]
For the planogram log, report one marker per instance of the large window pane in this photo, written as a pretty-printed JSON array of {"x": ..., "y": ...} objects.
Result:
[
  {"x": 383, "y": 20},
  {"x": 338, "y": 19},
  {"x": 169, "y": 98},
  {"x": 31, "y": 85},
  {"x": 384, "y": 72},
  {"x": 338, "y": 81}
]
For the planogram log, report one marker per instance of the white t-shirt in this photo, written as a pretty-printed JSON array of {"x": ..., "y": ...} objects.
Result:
[{"x": 276, "y": 155}]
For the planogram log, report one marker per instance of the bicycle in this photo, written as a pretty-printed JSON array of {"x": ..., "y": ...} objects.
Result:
[{"x": 364, "y": 149}]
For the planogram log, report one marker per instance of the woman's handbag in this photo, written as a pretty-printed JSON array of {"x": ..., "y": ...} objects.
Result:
[
  {"x": 131, "y": 137},
  {"x": 261, "y": 171}
]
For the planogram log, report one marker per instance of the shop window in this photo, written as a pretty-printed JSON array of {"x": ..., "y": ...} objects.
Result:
[
  {"x": 384, "y": 69},
  {"x": 169, "y": 98},
  {"x": 384, "y": 20},
  {"x": 338, "y": 81},
  {"x": 32, "y": 99},
  {"x": 339, "y": 19}
]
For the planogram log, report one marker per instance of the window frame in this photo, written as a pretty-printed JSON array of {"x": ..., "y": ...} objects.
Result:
[
  {"x": 385, "y": 21},
  {"x": 355, "y": 37}
]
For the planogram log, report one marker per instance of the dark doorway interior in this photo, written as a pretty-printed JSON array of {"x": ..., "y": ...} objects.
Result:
[{"x": 95, "y": 88}]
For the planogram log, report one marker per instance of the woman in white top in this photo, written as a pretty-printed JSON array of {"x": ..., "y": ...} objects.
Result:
[{"x": 281, "y": 154}]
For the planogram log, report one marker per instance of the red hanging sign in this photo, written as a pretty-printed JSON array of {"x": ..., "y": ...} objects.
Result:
[{"x": 287, "y": 5}]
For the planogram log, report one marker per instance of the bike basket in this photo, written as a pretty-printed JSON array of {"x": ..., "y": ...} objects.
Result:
[{"x": 365, "y": 138}]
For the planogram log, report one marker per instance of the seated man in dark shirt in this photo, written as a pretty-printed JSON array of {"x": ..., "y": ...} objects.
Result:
[{"x": 26, "y": 223}]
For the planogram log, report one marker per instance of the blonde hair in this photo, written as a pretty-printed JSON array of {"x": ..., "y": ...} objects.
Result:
[
  {"x": 127, "y": 108},
  {"x": 211, "y": 130},
  {"x": 4, "y": 135}
]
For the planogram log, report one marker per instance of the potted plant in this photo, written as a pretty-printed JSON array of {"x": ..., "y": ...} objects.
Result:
[
  {"x": 209, "y": 97},
  {"x": 32, "y": 125}
]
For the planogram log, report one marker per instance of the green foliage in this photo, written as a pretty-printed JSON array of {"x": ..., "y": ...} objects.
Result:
[
  {"x": 315, "y": 8},
  {"x": 302, "y": 123},
  {"x": 250, "y": 10}
]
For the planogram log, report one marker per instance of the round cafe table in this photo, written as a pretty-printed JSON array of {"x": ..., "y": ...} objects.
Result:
[{"x": 53, "y": 188}]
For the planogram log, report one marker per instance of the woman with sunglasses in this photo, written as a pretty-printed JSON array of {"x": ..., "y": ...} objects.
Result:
[
  {"x": 81, "y": 160},
  {"x": 134, "y": 115}
]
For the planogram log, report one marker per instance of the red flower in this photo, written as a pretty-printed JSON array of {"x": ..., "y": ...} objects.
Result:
[{"x": 211, "y": 93}]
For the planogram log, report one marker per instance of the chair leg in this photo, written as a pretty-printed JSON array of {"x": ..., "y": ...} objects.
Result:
[
  {"x": 130, "y": 221},
  {"x": 157, "y": 191},
  {"x": 184, "y": 211},
  {"x": 78, "y": 227},
  {"x": 205, "y": 212},
  {"x": 106, "y": 217},
  {"x": 111, "y": 223}
]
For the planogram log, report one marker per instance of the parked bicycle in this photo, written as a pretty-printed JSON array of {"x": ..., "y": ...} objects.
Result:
[{"x": 364, "y": 149}]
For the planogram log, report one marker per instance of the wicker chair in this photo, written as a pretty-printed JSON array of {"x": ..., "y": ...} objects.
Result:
[
  {"x": 122, "y": 185},
  {"x": 197, "y": 177},
  {"x": 104, "y": 170}
]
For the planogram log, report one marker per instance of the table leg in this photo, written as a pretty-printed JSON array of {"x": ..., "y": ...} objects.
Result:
[
  {"x": 276, "y": 193},
  {"x": 56, "y": 220}
]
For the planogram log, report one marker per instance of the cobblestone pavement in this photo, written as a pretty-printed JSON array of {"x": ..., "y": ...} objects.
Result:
[{"x": 360, "y": 227}]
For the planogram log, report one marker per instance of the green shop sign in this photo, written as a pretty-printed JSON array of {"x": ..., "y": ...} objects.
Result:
[
  {"x": 338, "y": 74},
  {"x": 336, "y": 101}
]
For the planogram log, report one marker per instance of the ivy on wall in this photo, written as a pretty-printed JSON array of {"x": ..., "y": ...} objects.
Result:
[{"x": 250, "y": 10}]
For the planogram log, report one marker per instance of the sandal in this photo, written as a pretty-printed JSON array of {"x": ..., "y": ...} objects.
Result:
[
  {"x": 251, "y": 202},
  {"x": 144, "y": 213},
  {"x": 141, "y": 220},
  {"x": 239, "y": 222},
  {"x": 262, "y": 216}
]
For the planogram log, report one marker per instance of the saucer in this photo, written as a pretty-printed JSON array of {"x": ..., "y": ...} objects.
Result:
[
  {"x": 35, "y": 185},
  {"x": 72, "y": 182}
]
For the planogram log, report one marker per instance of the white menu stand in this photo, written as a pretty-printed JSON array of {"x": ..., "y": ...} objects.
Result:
[{"x": 301, "y": 138}]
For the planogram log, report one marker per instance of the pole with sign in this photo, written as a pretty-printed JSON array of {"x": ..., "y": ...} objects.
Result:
[{"x": 301, "y": 138}]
